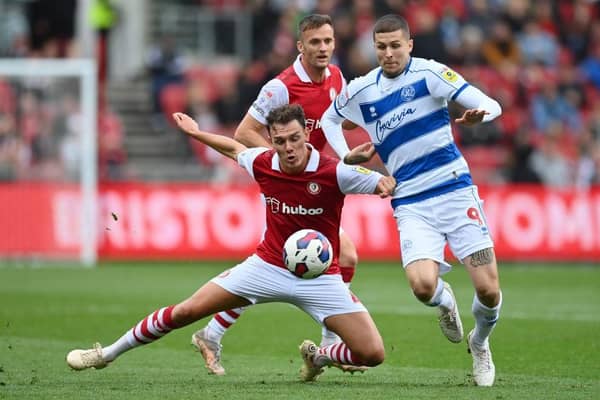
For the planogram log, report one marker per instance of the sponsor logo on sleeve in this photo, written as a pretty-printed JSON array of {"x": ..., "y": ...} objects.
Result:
[
  {"x": 449, "y": 75},
  {"x": 362, "y": 170}
]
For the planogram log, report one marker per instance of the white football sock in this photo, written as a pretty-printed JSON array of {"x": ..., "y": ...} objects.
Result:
[
  {"x": 485, "y": 321},
  {"x": 441, "y": 297}
]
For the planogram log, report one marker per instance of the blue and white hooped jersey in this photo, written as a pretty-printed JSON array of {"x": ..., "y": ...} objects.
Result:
[{"x": 407, "y": 119}]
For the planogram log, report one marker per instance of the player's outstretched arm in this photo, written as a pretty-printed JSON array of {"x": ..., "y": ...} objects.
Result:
[
  {"x": 222, "y": 144},
  {"x": 479, "y": 107},
  {"x": 360, "y": 154},
  {"x": 250, "y": 132},
  {"x": 385, "y": 186},
  {"x": 471, "y": 117}
]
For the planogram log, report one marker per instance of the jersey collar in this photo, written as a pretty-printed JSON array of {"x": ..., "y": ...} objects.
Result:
[
  {"x": 301, "y": 72},
  {"x": 313, "y": 161},
  {"x": 380, "y": 73}
]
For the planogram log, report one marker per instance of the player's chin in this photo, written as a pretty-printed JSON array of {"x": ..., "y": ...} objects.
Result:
[{"x": 322, "y": 62}]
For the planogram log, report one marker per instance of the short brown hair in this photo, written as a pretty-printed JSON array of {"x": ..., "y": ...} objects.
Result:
[
  {"x": 391, "y": 23},
  {"x": 313, "y": 21},
  {"x": 285, "y": 114}
]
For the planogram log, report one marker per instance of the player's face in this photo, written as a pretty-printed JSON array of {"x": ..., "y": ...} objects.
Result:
[
  {"x": 316, "y": 46},
  {"x": 289, "y": 141},
  {"x": 393, "y": 52}
]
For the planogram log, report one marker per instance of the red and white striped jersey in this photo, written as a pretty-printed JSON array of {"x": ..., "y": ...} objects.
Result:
[
  {"x": 312, "y": 199},
  {"x": 294, "y": 86}
]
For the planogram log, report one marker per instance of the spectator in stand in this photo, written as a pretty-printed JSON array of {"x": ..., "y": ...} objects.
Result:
[
  {"x": 548, "y": 161},
  {"x": 537, "y": 45},
  {"x": 13, "y": 30},
  {"x": 11, "y": 154},
  {"x": 111, "y": 152},
  {"x": 501, "y": 47},
  {"x": 588, "y": 163},
  {"x": 470, "y": 49},
  {"x": 590, "y": 67},
  {"x": 428, "y": 36},
  {"x": 480, "y": 15},
  {"x": 576, "y": 28},
  {"x": 166, "y": 67},
  {"x": 549, "y": 107},
  {"x": 519, "y": 168},
  {"x": 515, "y": 13}
]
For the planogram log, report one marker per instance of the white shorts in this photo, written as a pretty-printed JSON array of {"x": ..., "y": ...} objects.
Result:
[
  {"x": 261, "y": 282},
  {"x": 456, "y": 218}
]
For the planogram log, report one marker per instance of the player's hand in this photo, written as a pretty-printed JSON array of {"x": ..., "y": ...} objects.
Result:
[
  {"x": 360, "y": 154},
  {"x": 185, "y": 123},
  {"x": 471, "y": 117},
  {"x": 386, "y": 186}
]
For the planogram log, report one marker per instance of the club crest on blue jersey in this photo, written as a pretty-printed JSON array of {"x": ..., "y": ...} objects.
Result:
[{"x": 407, "y": 93}]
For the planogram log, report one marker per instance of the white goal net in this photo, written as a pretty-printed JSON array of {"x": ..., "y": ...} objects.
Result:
[{"x": 48, "y": 160}]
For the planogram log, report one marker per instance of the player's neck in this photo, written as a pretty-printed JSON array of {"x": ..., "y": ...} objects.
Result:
[
  {"x": 394, "y": 75},
  {"x": 316, "y": 75}
]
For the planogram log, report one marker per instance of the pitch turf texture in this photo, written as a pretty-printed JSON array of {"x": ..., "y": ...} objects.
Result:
[{"x": 546, "y": 345}]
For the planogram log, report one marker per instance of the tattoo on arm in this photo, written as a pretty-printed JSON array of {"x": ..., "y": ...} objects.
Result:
[{"x": 482, "y": 257}]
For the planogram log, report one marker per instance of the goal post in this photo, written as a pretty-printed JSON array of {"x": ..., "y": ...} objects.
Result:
[{"x": 49, "y": 77}]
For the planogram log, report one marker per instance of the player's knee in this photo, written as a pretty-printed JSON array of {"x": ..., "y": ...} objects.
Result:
[
  {"x": 348, "y": 258},
  {"x": 488, "y": 295},
  {"x": 184, "y": 314},
  {"x": 424, "y": 290},
  {"x": 373, "y": 356}
]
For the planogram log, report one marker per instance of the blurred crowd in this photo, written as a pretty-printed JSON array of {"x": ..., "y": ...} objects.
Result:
[
  {"x": 40, "y": 118},
  {"x": 539, "y": 59}
]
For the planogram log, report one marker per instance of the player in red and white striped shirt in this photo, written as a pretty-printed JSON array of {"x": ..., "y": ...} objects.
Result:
[
  {"x": 293, "y": 174},
  {"x": 312, "y": 82}
]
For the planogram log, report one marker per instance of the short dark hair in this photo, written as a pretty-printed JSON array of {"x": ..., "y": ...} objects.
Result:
[
  {"x": 285, "y": 114},
  {"x": 313, "y": 21},
  {"x": 391, "y": 23}
]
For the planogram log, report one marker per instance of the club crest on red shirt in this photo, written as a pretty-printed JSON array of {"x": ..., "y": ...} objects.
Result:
[{"x": 313, "y": 187}]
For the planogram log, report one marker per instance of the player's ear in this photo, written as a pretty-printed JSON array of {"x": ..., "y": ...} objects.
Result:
[{"x": 300, "y": 47}]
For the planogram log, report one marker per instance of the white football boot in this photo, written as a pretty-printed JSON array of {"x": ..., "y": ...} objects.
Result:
[
  {"x": 484, "y": 370},
  {"x": 450, "y": 322},
  {"x": 210, "y": 351},
  {"x": 309, "y": 371},
  {"x": 84, "y": 359}
]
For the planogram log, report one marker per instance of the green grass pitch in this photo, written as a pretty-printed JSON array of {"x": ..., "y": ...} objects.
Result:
[{"x": 546, "y": 345}]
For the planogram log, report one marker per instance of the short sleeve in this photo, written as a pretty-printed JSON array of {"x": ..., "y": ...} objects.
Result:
[
  {"x": 344, "y": 105},
  {"x": 272, "y": 95},
  {"x": 356, "y": 179},
  {"x": 246, "y": 158},
  {"x": 444, "y": 82}
]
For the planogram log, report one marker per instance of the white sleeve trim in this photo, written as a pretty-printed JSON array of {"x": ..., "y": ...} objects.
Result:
[
  {"x": 354, "y": 179},
  {"x": 246, "y": 158},
  {"x": 272, "y": 95}
]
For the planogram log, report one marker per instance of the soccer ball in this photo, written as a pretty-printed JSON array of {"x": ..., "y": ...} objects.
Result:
[{"x": 307, "y": 253}]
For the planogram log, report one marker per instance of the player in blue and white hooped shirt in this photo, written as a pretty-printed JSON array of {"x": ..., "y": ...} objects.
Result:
[{"x": 403, "y": 105}]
